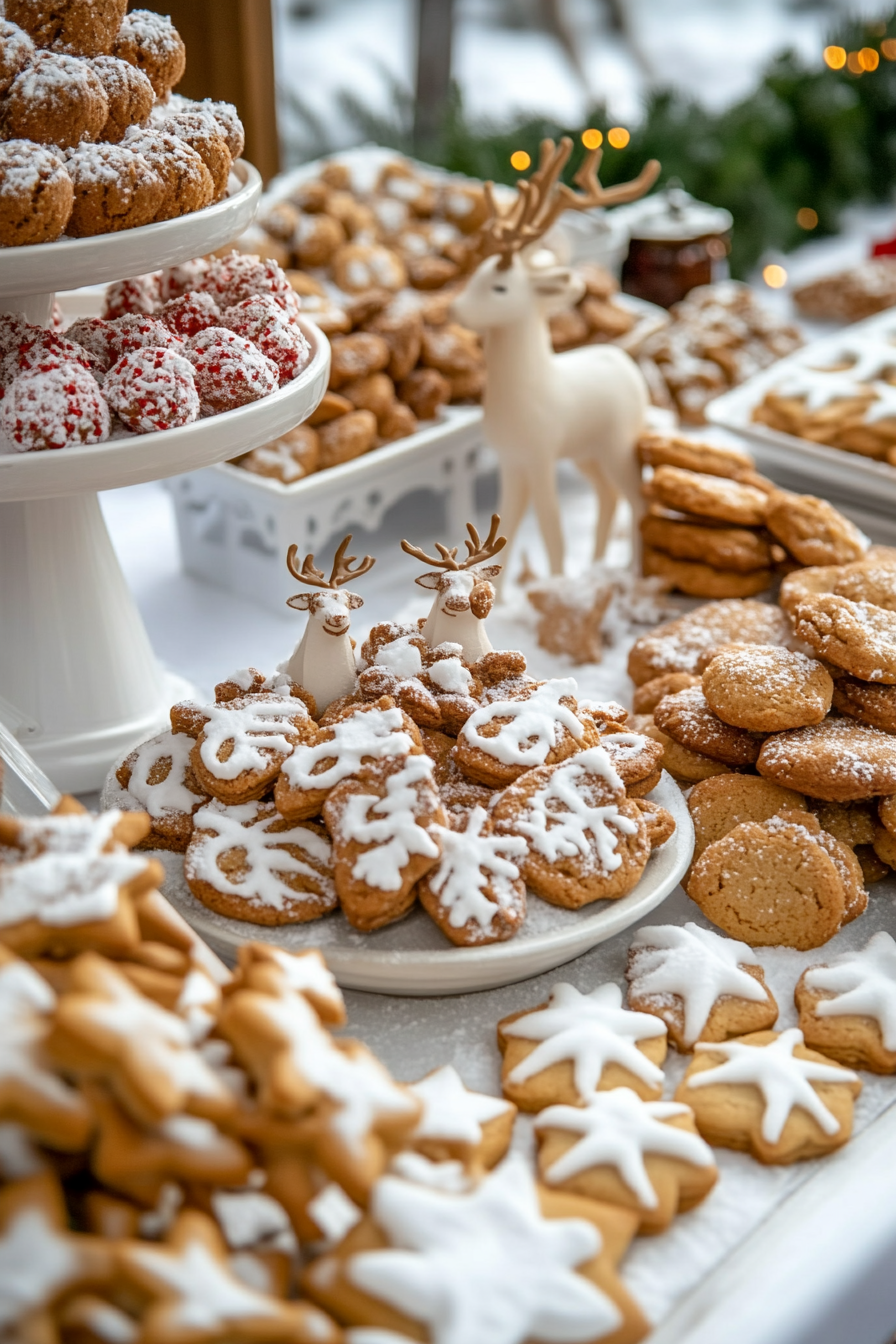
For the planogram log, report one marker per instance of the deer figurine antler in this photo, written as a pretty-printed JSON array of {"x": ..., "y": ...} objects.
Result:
[
  {"x": 586, "y": 404},
  {"x": 464, "y": 595},
  {"x": 323, "y": 661}
]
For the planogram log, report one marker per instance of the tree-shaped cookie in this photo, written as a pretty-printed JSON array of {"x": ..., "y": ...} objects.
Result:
[{"x": 848, "y": 1007}]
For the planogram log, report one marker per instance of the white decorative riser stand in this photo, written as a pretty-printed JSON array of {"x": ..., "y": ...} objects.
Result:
[
  {"x": 79, "y": 683},
  {"x": 235, "y": 528}
]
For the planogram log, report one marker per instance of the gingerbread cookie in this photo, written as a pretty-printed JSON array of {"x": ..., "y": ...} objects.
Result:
[
  {"x": 807, "y": 583},
  {"x": 475, "y": 893},
  {"x": 856, "y": 636},
  {"x": 305, "y": 972},
  {"x": 459, "y": 1125},
  {"x": 703, "y": 986},
  {"x": 674, "y": 450},
  {"x": 617, "y": 1149},
  {"x": 716, "y": 497},
  {"x": 634, "y": 757},
  {"x": 866, "y": 702},
  {"x": 766, "y": 690},
  {"x": 767, "y": 1094},
  {"x": 728, "y": 548},
  {"x": 242, "y": 744},
  {"x": 247, "y": 862},
  {"x": 504, "y": 738},
  {"x": 870, "y": 580},
  {"x": 680, "y": 645},
  {"x": 696, "y": 579},
  {"x": 719, "y": 804},
  {"x": 687, "y": 718},
  {"x": 848, "y": 1007},
  {"x": 814, "y": 532},
  {"x": 838, "y": 760},
  {"x": 159, "y": 777},
  {"x": 684, "y": 765},
  {"x": 577, "y": 1044}
]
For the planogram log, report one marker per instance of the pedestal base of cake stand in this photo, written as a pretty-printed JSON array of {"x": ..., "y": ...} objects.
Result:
[{"x": 35, "y": 308}]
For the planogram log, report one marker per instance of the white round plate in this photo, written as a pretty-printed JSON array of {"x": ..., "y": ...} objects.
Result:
[
  {"x": 135, "y": 458},
  {"x": 46, "y": 267},
  {"x": 414, "y": 958}
]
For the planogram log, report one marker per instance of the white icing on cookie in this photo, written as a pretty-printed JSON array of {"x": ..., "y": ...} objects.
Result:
[
  {"x": 198, "y": 1003},
  {"x": 559, "y": 822},
  {"x": 451, "y": 1176},
  {"x": 308, "y": 973},
  {"x": 333, "y": 1212},
  {"x": 864, "y": 983},
  {"x": 245, "y": 826},
  {"x": 258, "y": 730},
  {"x": 171, "y": 794},
  {"x": 470, "y": 862},
  {"x": 374, "y": 735},
  {"x": 618, "y": 1129},
  {"x": 19, "y": 1158},
  {"x": 451, "y": 1112},
  {"x": 36, "y": 1261},
  {"x": 204, "y": 1294},
  {"x": 390, "y": 826},
  {"x": 484, "y": 1265},
  {"x": 818, "y": 390},
  {"x": 591, "y": 1031},
  {"x": 697, "y": 966},
  {"x": 533, "y": 728},
  {"x": 244, "y": 678},
  {"x": 66, "y": 876},
  {"x": 784, "y": 1080},
  {"x": 450, "y": 675},
  {"x": 26, "y": 1005}
]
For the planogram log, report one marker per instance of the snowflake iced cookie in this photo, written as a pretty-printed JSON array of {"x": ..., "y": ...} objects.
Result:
[
  {"x": 504, "y": 738},
  {"x": 241, "y": 744},
  {"x": 247, "y": 862},
  {"x": 507, "y": 1262},
  {"x": 641, "y": 1155},
  {"x": 848, "y": 1007},
  {"x": 771, "y": 1096},
  {"x": 474, "y": 893},
  {"x": 361, "y": 735},
  {"x": 459, "y": 1125},
  {"x": 704, "y": 987},
  {"x": 71, "y": 882},
  {"x": 381, "y": 823},
  {"x": 586, "y": 841},
  {"x": 159, "y": 777},
  {"x": 565, "y": 1050}
]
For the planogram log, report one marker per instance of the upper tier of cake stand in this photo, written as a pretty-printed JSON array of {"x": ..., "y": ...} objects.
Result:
[{"x": 71, "y": 262}]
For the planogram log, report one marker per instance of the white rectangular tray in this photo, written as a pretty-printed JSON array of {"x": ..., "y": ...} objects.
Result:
[{"x": 810, "y": 467}]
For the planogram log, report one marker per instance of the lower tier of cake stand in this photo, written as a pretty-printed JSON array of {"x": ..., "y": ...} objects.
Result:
[{"x": 79, "y": 683}]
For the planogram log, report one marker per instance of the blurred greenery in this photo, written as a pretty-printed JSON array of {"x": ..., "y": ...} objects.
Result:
[{"x": 808, "y": 136}]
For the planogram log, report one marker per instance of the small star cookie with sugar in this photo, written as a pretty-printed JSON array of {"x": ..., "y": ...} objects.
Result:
[
  {"x": 848, "y": 1007},
  {"x": 505, "y": 1262},
  {"x": 703, "y": 986},
  {"x": 457, "y": 1124},
  {"x": 618, "y": 1149},
  {"x": 767, "y": 1094},
  {"x": 565, "y": 1050}
]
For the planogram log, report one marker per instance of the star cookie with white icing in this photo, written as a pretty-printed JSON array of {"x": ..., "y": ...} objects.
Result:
[
  {"x": 769, "y": 1095},
  {"x": 507, "y": 1262},
  {"x": 642, "y": 1155},
  {"x": 457, "y": 1124},
  {"x": 848, "y": 1008},
  {"x": 305, "y": 972},
  {"x": 158, "y": 778},
  {"x": 504, "y": 738},
  {"x": 703, "y": 986},
  {"x": 565, "y": 1050},
  {"x": 475, "y": 893}
]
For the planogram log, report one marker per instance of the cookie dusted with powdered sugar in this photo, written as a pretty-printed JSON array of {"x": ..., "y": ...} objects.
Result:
[
  {"x": 766, "y": 690},
  {"x": 686, "y": 643},
  {"x": 839, "y": 760},
  {"x": 459, "y": 1125},
  {"x": 687, "y": 718},
  {"x": 241, "y": 745}
]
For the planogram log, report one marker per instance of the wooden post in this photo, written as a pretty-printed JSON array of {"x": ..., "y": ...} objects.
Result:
[
  {"x": 230, "y": 56},
  {"x": 434, "y": 27}
]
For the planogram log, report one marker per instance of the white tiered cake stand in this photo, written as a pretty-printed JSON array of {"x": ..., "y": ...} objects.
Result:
[{"x": 78, "y": 680}]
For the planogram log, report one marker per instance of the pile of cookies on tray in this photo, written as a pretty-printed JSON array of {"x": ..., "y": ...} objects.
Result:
[
  {"x": 191, "y": 341},
  {"x": 715, "y": 528},
  {"x": 91, "y": 140},
  {"x": 848, "y": 296},
  {"x": 439, "y": 773}
]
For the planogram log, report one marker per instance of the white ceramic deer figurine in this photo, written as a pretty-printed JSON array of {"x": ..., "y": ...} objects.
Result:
[
  {"x": 586, "y": 404},
  {"x": 464, "y": 595},
  {"x": 323, "y": 661}
]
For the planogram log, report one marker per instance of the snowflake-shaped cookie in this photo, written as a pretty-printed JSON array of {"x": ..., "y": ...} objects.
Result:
[{"x": 475, "y": 893}]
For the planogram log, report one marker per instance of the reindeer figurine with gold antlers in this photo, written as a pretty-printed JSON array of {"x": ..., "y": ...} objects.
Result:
[
  {"x": 324, "y": 661},
  {"x": 586, "y": 404},
  {"x": 464, "y": 593}
]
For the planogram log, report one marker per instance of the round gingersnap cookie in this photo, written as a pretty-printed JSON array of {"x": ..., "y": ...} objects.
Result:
[
  {"x": 680, "y": 645},
  {"x": 719, "y": 804},
  {"x": 686, "y": 767},
  {"x": 862, "y": 700},
  {"x": 838, "y": 760},
  {"x": 734, "y": 548},
  {"x": 673, "y": 450},
  {"x": 688, "y": 720},
  {"x": 709, "y": 496},
  {"x": 128, "y": 93},
  {"x": 57, "y": 100},
  {"x": 188, "y": 183},
  {"x": 857, "y": 636},
  {"x": 202, "y": 132},
  {"x": 16, "y": 51},
  {"x": 770, "y": 883},
  {"x": 813, "y": 531},
  {"x": 869, "y": 581},
  {"x": 806, "y": 583},
  {"x": 703, "y": 580},
  {"x": 152, "y": 43},
  {"x": 648, "y": 696},
  {"x": 766, "y": 690},
  {"x": 80, "y": 27},
  {"x": 36, "y": 194},
  {"x": 115, "y": 189}
]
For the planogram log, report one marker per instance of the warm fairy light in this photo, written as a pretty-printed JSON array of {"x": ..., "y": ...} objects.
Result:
[
  {"x": 888, "y": 47},
  {"x": 592, "y": 139},
  {"x": 869, "y": 59},
  {"x": 835, "y": 57},
  {"x": 618, "y": 137},
  {"x": 854, "y": 63},
  {"x": 807, "y": 218},
  {"x": 774, "y": 276},
  {"x": 520, "y": 160}
]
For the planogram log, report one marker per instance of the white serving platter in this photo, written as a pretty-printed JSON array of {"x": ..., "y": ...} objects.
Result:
[{"x": 413, "y": 958}]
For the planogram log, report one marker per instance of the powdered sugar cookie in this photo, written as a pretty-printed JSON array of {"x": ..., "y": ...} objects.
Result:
[
  {"x": 648, "y": 696},
  {"x": 697, "y": 579},
  {"x": 688, "y": 720},
  {"x": 459, "y": 1125},
  {"x": 641, "y": 1155},
  {"x": 247, "y": 862},
  {"x": 507, "y": 737},
  {"x": 769, "y": 1095},
  {"x": 684, "y": 765},
  {"x": 381, "y": 822},
  {"x": 766, "y": 690},
  {"x": 577, "y": 1044},
  {"x": 813, "y": 531},
  {"x": 866, "y": 702},
  {"x": 680, "y": 645},
  {"x": 719, "y": 804},
  {"x": 870, "y": 580},
  {"x": 837, "y": 760},
  {"x": 474, "y": 893},
  {"x": 242, "y": 744},
  {"x": 856, "y": 636},
  {"x": 848, "y": 1007},
  {"x": 806, "y": 583},
  {"x": 703, "y": 986},
  {"x": 159, "y": 778}
]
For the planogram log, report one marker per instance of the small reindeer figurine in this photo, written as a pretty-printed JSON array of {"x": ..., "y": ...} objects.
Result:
[
  {"x": 323, "y": 661},
  {"x": 586, "y": 404},
  {"x": 464, "y": 595}
]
